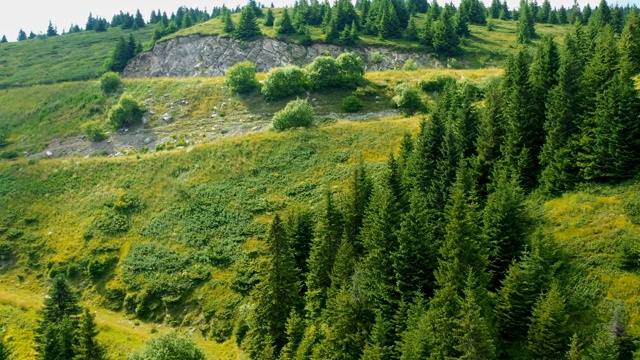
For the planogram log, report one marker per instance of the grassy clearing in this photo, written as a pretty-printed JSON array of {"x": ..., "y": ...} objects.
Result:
[
  {"x": 49, "y": 208},
  {"x": 599, "y": 229},
  {"x": 70, "y": 57},
  {"x": 36, "y": 116}
]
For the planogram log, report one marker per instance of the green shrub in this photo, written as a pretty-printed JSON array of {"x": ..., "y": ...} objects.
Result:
[
  {"x": 4, "y": 135},
  {"x": 171, "y": 346},
  {"x": 410, "y": 65},
  {"x": 111, "y": 222},
  {"x": 241, "y": 77},
  {"x": 297, "y": 113},
  {"x": 98, "y": 266},
  {"x": 110, "y": 82},
  {"x": 284, "y": 81},
  {"x": 436, "y": 85},
  {"x": 126, "y": 112},
  {"x": 407, "y": 99},
  {"x": 351, "y": 104},
  {"x": 351, "y": 69},
  {"x": 94, "y": 131},
  {"x": 324, "y": 72}
]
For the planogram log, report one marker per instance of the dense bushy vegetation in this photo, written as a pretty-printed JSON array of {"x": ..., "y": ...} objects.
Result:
[
  {"x": 128, "y": 111},
  {"x": 241, "y": 77},
  {"x": 297, "y": 113}
]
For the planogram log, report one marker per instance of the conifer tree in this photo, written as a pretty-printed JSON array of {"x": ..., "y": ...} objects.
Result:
[
  {"x": 300, "y": 233},
  {"x": 349, "y": 35},
  {"x": 504, "y": 222},
  {"x": 557, "y": 156},
  {"x": 473, "y": 334},
  {"x": 490, "y": 139},
  {"x": 283, "y": 24},
  {"x": 444, "y": 38},
  {"x": 51, "y": 31},
  {"x": 416, "y": 258},
  {"x": 247, "y": 28},
  {"x": 187, "y": 21},
  {"x": 22, "y": 35},
  {"x": 295, "y": 333},
  {"x": 276, "y": 295},
  {"x": 543, "y": 76},
  {"x": 545, "y": 11},
  {"x": 629, "y": 42},
  {"x": 229, "y": 26},
  {"x": 526, "y": 26},
  {"x": 464, "y": 249},
  {"x": 518, "y": 111},
  {"x": 411, "y": 33},
  {"x": 575, "y": 350},
  {"x": 461, "y": 24},
  {"x": 388, "y": 25},
  {"x": 610, "y": 137},
  {"x": 515, "y": 300},
  {"x": 139, "y": 20},
  {"x": 4, "y": 39},
  {"x": 494, "y": 10},
  {"x": 327, "y": 238},
  {"x": 603, "y": 347},
  {"x": 56, "y": 332},
  {"x": 88, "y": 347},
  {"x": 269, "y": 18},
  {"x": 331, "y": 32},
  {"x": 548, "y": 333},
  {"x": 357, "y": 203},
  {"x": 349, "y": 318},
  {"x": 440, "y": 324},
  {"x": 379, "y": 237}
]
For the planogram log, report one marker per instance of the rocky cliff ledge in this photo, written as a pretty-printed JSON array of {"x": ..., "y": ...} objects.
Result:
[{"x": 198, "y": 55}]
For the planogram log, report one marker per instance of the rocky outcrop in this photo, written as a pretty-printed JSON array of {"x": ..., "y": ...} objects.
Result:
[{"x": 198, "y": 55}]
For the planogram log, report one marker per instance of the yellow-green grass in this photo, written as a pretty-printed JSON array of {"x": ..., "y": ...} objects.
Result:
[
  {"x": 53, "y": 203},
  {"x": 37, "y": 115},
  {"x": 594, "y": 227},
  {"x": 69, "y": 57}
]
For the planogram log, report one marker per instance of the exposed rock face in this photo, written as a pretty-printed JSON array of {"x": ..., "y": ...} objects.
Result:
[{"x": 198, "y": 55}]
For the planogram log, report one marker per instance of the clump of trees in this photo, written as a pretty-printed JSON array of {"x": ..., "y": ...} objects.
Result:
[{"x": 125, "y": 50}]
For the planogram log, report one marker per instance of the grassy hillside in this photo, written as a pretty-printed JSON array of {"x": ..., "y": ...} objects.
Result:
[
  {"x": 71, "y": 57},
  {"x": 39, "y": 117}
]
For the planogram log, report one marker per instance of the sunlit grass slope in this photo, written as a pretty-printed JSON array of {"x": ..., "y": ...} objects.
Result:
[
  {"x": 48, "y": 208},
  {"x": 34, "y": 116},
  {"x": 69, "y": 57}
]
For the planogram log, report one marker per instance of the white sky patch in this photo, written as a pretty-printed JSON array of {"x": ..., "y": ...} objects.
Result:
[{"x": 35, "y": 15}]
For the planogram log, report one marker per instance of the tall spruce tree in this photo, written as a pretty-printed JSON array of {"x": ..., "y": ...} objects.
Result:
[
  {"x": 520, "y": 132},
  {"x": 444, "y": 38},
  {"x": 275, "y": 296},
  {"x": 22, "y": 35},
  {"x": 269, "y": 18},
  {"x": 514, "y": 303},
  {"x": 88, "y": 347},
  {"x": 300, "y": 232},
  {"x": 490, "y": 139},
  {"x": 543, "y": 76},
  {"x": 473, "y": 334},
  {"x": 548, "y": 337},
  {"x": 526, "y": 23},
  {"x": 504, "y": 224},
  {"x": 557, "y": 157},
  {"x": 283, "y": 24},
  {"x": 324, "y": 247},
  {"x": 629, "y": 42},
  {"x": 247, "y": 28},
  {"x": 56, "y": 332},
  {"x": 603, "y": 346},
  {"x": 357, "y": 202},
  {"x": 229, "y": 26},
  {"x": 51, "y": 31}
]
